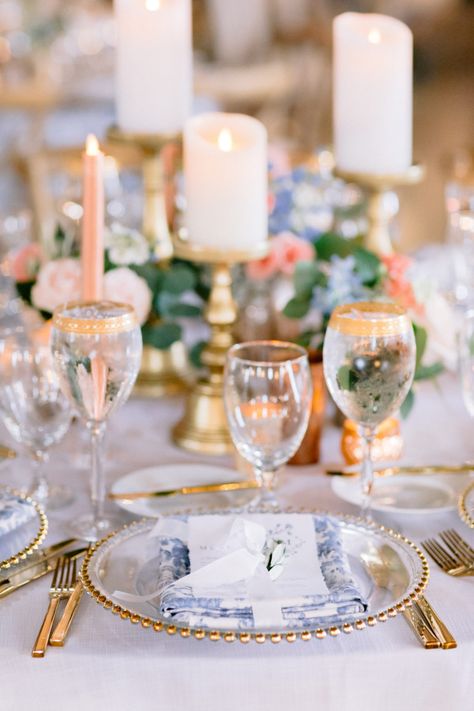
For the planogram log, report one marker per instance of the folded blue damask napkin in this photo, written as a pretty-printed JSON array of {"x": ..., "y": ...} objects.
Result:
[
  {"x": 295, "y": 600},
  {"x": 14, "y": 512}
]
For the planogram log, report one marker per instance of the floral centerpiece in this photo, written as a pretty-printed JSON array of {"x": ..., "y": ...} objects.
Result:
[{"x": 160, "y": 297}]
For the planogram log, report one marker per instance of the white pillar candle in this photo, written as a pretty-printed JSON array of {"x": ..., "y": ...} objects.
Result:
[
  {"x": 153, "y": 65},
  {"x": 372, "y": 93},
  {"x": 225, "y": 166}
]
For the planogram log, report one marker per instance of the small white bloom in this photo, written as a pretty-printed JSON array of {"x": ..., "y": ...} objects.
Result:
[
  {"x": 124, "y": 285},
  {"x": 126, "y": 246}
]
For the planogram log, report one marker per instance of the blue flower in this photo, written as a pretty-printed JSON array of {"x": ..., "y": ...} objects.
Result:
[{"x": 343, "y": 286}]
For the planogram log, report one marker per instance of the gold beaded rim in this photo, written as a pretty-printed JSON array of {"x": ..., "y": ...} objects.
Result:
[
  {"x": 364, "y": 622},
  {"x": 393, "y": 322},
  {"x": 466, "y": 514},
  {"x": 108, "y": 325},
  {"x": 38, "y": 538}
]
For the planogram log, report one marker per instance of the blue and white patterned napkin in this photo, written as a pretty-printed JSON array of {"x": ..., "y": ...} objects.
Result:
[
  {"x": 232, "y": 607},
  {"x": 14, "y": 512}
]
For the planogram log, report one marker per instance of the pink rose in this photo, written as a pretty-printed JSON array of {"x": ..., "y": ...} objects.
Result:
[
  {"x": 125, "y": 286},
  {"x": 264, "y": 268},
  {"x": 290, "y": 250},
  {"x": 26, "y": 262},
  {"x": 58, "y": 281}
]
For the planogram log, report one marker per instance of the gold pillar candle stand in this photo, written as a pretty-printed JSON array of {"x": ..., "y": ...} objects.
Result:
[
  {"x": 163, "y": 372},
  {"x": 203, "y": 427},
  {"x": 377, "y": 186}
]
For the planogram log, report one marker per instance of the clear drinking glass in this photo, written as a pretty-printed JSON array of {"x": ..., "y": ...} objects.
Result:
[
  {"x": 466, "y": 360},
  {"x": 267, "y": 394},
  {"x": 97, "y": 348},
  {"x": 33, "y": 408},
  {"x": 369, "y": 362}
]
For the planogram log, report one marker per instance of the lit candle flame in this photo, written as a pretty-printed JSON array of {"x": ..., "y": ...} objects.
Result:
[
  {"x": 375, "y": 36},
  {"x": 224, "y": 140},
  {"x": 152, "y": 5},
  {"x": 92, "y": 145}
]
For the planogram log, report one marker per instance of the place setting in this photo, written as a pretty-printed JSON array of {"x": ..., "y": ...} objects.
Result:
[{"x": 236, "y": 355}]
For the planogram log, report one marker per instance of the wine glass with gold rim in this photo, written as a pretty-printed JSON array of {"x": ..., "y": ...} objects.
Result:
[
  {"x": 97, "y": 348},
  {"x": 369, "y": 359},
  {"x": 267, "y": 394}
]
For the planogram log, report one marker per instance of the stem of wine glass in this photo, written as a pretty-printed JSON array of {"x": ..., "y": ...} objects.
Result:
[
  {"x": 97, "y": 431},
  {"x": 266, "y": 498},
  {"x": 367, "y": 469},
  {"x": 39, "y": 488}
]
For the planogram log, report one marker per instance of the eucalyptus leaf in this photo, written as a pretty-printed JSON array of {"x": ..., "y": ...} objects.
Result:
[
  {"x": 179, "y": 278},
  {"x": 161, "y": 335},
  {"x": 407, "y": 405},
  {"x": 305, "y": 278},
  {"x": 296, "y": 308},
  {"x": 368, "y": 266},
  {"x": 426, "y": 372},
  {"x": 421, "y": 340},
  {"x": 330, "y": 244},
  {"x": 195, "y": 353}
]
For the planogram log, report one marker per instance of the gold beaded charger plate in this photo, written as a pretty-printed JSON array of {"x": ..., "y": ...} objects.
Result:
[
  {"x": 466, "y": 505},
  {"x": 23, "y": 527},
  {"x": 115, "y": 562}
]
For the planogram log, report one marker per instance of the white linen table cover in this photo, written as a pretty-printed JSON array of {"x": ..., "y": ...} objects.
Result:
[{"x": 110, "y": 664}]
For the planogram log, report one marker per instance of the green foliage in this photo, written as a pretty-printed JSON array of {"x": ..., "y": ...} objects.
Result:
[
  {"x": 161, "y": 335},
  {"x": 296, "y": 308},
  {"x": 196, "y": 352},
  {"x": 368, "y": 266},
  {"x": 330, "y": 244},
  {"x": 407, "y": 404},
  {"x": 179, "y": 278}
]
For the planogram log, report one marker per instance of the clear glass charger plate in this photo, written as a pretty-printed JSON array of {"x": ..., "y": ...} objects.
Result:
[
  {"x": 115, "y": 562},
  {"x": 18, "y": 543},
  {"x": 466, "y": 505}
]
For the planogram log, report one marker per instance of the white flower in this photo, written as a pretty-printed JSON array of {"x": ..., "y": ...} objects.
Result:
[
  {"x": 58, "y": 281},
  {"x": 126, "y": 246},
  {"x": 125, "y": 286},
  {"x": 442, "y": 325}
]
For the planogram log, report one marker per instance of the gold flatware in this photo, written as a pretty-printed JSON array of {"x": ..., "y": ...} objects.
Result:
[
  {"x": 436, "y": 624},
  {"x": 389, "y": 573},
  {"x": 7, "y": 452},
  {"x": 37, "y": 565},
  {"x": 62, "y": 586},
  {"x": 455, "y": 556},
  {"x": 58, "y": 637},
  {"x": 422, "y": 469},
  {"x": 185, "y": 490}
]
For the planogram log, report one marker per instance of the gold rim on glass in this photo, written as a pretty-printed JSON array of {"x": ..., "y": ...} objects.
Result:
[
  {"x": 466, "y": 514},
  {"x": 159, "y": 625},
  {"x": 37, "y": 540},
  {"x": 391, "y": 319},
  {"x": 298, "y": 352},
  {"x": 126, "y": 321}
]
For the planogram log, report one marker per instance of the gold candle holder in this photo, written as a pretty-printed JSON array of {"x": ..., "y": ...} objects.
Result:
[
  {"x": 377, "y": 186},
  {"x": 163, "y": 372},
  {"x": 203, "y": 427}
]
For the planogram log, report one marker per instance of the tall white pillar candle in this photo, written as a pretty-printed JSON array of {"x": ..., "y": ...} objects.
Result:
[
  {"x": 153, "y": 65},
  {"x": 241, "y": 31},
  {"x": 372, "y": 107},
  {"x": 225, "y": 166}
]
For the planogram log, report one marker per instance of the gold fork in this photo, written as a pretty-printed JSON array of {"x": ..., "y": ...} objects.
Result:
[
  {"x": 455, "y": 556},
  {"x": 62, "y": 585}
]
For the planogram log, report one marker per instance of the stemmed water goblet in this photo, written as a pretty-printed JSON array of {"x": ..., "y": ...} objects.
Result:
[
  {"x": 369, "y": 359},
  {"x": 267, "y": 395},
  {"x": 97, "y": 348},
  {"x": 33, "y": 408}
]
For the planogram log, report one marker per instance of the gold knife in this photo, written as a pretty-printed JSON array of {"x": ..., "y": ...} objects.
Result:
[
  {"x": 185, "y": 490},
  {"x": 421, "y": 469},
  {"x": 436, "y": 624},
  {"x": 422, "y": 630},
  {"x": 42, "y": 564}
]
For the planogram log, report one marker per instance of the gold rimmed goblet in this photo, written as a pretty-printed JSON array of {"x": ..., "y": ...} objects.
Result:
[
  {"x": 369, "y": 359},
  {"x": 97, "y": 348}
]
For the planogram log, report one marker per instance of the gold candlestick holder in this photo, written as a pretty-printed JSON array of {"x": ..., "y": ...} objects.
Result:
[
  {"x": 377, "y": 186},
  {"x": 163, "y": 372},
  {"x": 203, "y": 427}
]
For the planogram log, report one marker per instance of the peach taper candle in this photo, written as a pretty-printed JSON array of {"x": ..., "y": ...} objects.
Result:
[{"x": 92, "y": 251}]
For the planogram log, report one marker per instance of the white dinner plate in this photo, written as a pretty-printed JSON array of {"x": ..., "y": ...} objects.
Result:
[
  {"x": 175, "y": 476},
  {"x": 405, "y": 493}
]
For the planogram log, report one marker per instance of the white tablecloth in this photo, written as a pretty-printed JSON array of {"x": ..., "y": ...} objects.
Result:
[{"x": 111, "y": 664}]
